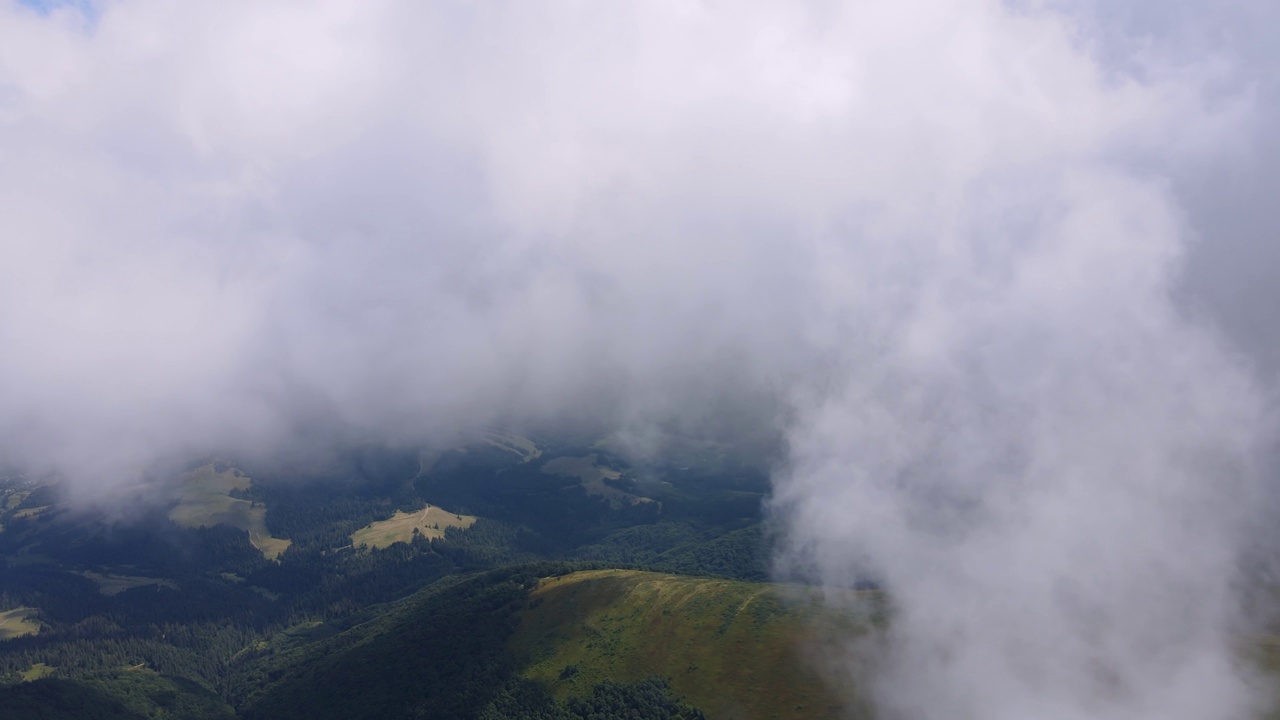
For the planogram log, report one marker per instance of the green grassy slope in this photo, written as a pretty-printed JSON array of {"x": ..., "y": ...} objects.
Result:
[
  {"x": 732, "y": 649},
  {"x": 207, "y": 501}
]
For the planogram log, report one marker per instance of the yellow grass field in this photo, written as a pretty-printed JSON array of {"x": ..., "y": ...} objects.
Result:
[
  {"x": 18, "y": 622},
  {"x": 205, "y": 502},
  {"x": 13, "y": 498},
  {"x": 593, "y": 477},
  {"x": 37, "y": 671},
  {"x": 431, "y": 522}
]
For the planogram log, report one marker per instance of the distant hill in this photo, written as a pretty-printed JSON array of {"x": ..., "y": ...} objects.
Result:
[
  {"x": 133, "y": 694},
  {"x": 336, "y": 585},
  {"x": 732, "y": 649},
  {"x": 729, "y": 649}
]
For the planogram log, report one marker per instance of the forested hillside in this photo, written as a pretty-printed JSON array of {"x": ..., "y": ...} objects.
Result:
[
  {"x": 541, "y": 641},
  {"x": 179, "y": 597}
]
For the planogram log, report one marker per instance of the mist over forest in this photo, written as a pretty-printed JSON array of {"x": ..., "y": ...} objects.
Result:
[{"x": 971, "y": 303}]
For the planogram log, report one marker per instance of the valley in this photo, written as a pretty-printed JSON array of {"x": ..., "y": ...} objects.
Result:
[
  {"x": 235, "y": 593},
  {"x": 496, "y": 581}
]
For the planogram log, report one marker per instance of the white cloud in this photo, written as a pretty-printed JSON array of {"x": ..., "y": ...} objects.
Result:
[{"x": 941, "y": 238}]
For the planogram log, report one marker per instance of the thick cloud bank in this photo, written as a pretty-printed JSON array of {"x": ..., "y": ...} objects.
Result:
[
  {"x": 1050, "y": 471},
  {"x": 942, "y": 245}
]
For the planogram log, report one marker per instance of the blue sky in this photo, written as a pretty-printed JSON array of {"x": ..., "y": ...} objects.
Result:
[{"x": 45, "y": 6}]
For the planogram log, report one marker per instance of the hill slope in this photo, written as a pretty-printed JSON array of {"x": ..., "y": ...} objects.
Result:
[{"x": 731, "y": 649}]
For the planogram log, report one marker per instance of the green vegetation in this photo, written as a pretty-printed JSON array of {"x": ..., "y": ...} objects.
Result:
[
  {"x": 429, "y": 522},
  {"x": 11, "y": 499},
  {"x": 522, "y": 446},
  {"x": 158, "y": 697},
  {"x": 594, "y": 478},
  {"x": 649, "y": 699},
  {"x": 37, "y": 672},
  {"x": 18, "y": 622},
  {"x": 132, "y": 694},
  {"x": 458, "y": 650},
  {"x": 681, "y": 547},
  {"x": 559, "y": 595},
  {"x": 440, "y": 654},
  {"x": 54, "y": 699},
  {"x": 551, "y": 644},
  {"x": 112, "y": 585},
  {"x": 178, "y": 601},
  {"x": 733, "y": 649},
  {"x": 207, "y": 500}
]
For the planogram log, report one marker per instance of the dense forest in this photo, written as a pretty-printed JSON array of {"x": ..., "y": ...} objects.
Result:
[{"x": 167, "y": 619}]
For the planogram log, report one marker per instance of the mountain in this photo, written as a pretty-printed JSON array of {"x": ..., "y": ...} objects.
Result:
[
  {"x": 211, "y": 593},
  {"x": 730, "y": 649},
  {"x": 505, "y": 579}
]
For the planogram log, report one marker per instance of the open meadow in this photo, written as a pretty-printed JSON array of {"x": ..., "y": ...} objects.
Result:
[
  {"x": 206, "y": 501},
  {"x": 730, "y": 648},
  {"x": 593, "y": 478},
  {"x": 110, "y": 584},
  {"x": 430, "y": 522},
  {"x": 18, "y": 622}
]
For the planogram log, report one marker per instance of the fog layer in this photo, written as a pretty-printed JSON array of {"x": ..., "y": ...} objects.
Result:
[{"x": 961, "y": 255}]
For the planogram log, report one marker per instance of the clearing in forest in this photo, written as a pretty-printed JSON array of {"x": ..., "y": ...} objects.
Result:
[
  {"x": 18, "y": 622},
  {"x": 430, "y": 522},
  {"x": 37, "y": 671},
  {"x": 206, "y": 501},
  {"x": 518, "y": 444},
  {"x": 13, "y": 498},
  {"x": 593, "y": 478},
  {"x": 112, "y": 585}
]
